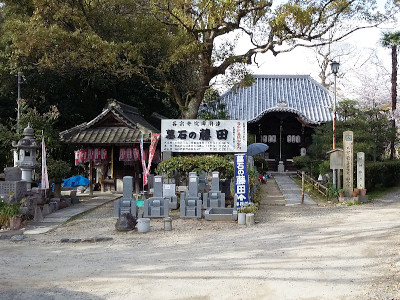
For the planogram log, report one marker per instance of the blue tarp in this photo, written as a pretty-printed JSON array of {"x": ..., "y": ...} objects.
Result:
[{"x": 75, "y": 181}]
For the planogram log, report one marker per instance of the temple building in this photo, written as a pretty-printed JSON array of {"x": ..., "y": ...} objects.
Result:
[
  {"x": 281, "y": 111},
  {"x": 109, "y": 145}
]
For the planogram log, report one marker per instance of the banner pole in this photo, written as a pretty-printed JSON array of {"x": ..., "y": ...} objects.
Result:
[{"x": 143, "y": 165}]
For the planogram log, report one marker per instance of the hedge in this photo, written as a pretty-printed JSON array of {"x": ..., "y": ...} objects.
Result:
[
  {"x": 186, "y": 164},
  {"x": 386, "y": 174}
]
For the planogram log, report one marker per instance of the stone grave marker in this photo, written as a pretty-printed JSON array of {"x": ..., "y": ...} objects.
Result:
[
  {"x": 169, "y": 193},
  {"x": 214, "y": 198},
  {"x": 191, "y": 203},
  {"x": 156, "y": 206},
  {"x": 127, "y": 204},
  {"x": 12, "y": 174}
]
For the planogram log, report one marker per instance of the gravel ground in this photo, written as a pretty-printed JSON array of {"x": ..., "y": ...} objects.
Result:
[{"x": 296, "y": 252}]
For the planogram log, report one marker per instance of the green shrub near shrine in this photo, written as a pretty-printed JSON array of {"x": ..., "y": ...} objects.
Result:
[
  {"x": 186, "y": 164},
  {"x": 385, "y": 174}
]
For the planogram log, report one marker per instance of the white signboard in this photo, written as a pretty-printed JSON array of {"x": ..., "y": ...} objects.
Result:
[{"x": 204, "y": 135}]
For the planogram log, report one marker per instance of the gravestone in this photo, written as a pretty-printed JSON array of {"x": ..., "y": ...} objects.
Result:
[
  {"x": 191, "y": 203},
  {"x": 13, "y": 185},
  {"x": 214, "y": 198},
  {"x": 127, "y": 204},
  {"x": 169, "y": 193},
  {"x": 203, "y": 187},
  {"x": 348, "y": 163},
  {"x": 157, "y": 206},
  {"x": 12, "y": 174},
  {"x": 38, "y": 217}
]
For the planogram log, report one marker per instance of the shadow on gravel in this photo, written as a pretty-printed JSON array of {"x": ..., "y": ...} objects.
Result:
[{"x": 46, "y": 294}]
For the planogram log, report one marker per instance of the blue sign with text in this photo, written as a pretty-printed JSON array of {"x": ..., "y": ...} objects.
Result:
[{"x": 241, "y": 184}]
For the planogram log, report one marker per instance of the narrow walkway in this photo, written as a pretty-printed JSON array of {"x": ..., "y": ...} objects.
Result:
[
  {"x": 60, "y": 216},
  {"x": 291, "y": 191},
  {"x": 271, "y": 195}
]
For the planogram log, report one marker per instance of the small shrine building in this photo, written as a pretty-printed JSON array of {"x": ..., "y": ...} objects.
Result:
[{"x": 110, "y": 145}]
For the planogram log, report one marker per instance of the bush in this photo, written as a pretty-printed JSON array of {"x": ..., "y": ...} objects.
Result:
[
  {"x": 261, "y": 164},
  {"x": 386, "y": 174},
  {"x": 8, "y": 211},
  {"x": 248, "y": 208},
  {"x": 186, "y": 164},
  {"x": 324, "y": 167},
  {"x": 302, "y": 163}
]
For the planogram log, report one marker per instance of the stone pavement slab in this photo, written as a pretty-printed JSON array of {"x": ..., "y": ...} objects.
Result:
[
  {"x": 271, "y": 194},
  {"x": 291, "y": 191},
  {"x": 55, "y": 219}
]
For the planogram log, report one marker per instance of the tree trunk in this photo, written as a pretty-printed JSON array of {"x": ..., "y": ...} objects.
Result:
[
  {"x": 192, "y": 106},
  {"x": 394, "y": 96}
]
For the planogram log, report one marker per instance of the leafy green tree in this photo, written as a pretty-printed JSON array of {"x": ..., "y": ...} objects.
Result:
[
  {"x": 371, "y": 126},
  {"x": 212, "y": 107},
  {"x": 176, "y": 46},
  {"x": 43, "y": 124},
  {"x": 392, "y": 40},
  {"x": 62, "y": 69}
]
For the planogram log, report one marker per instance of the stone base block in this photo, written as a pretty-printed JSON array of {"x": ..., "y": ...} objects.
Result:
[
  {"x": 363, "y": 199},
  {"x": 220, "y": 214},
  {"x": 281, "y": 167},
  {"x": 155, "y": 212}
]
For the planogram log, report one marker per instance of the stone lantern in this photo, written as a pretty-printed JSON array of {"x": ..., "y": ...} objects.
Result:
[{"x": 26, "y": 155}]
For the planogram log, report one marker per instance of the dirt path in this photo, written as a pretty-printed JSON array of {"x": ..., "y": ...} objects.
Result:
[{"x": 297, "y": 252}]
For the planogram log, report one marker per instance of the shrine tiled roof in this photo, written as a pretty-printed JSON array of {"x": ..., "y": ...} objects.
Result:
[
  {"x": 118, "y": 123},
  {"x": 299, "y": 94}
]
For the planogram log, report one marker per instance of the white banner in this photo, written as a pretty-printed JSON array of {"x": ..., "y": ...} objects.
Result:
[{"x": 204, "y": 135}]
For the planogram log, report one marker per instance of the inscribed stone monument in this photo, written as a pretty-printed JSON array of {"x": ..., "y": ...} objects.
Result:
[
  {"x": 348, "y": 163},
  {"x": 361, "y": 170}
]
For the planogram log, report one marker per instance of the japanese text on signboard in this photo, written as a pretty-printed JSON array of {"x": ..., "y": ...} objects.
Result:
[
  {"x": 241, "y": 184},
  {"x": 204, "y": 135}
]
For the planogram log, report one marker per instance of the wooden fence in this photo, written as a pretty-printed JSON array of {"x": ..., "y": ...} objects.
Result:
[{"x": 315, "y": 184}]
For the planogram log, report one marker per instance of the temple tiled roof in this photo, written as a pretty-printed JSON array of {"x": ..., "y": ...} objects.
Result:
[
  {"x": 299, "y": 94},
  {"x": 117, "y": 124}
]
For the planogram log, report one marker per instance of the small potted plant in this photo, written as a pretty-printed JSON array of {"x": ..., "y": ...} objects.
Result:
[
  {"x": 246, "y": 209},
  {"x": 10, "y": 216},
  {"x": 355, "y": 192},
  {"x": 341, "y": 192},
  {"x": 15, "y": 216}
]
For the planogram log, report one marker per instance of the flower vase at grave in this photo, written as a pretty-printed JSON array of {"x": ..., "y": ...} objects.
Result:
[
  {"x": 242, "y": 218},
  {"x": 249, "y": 219}
]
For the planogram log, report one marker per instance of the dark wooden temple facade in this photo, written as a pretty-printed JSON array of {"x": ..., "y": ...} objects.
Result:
[{"x": 282, "y": 111}]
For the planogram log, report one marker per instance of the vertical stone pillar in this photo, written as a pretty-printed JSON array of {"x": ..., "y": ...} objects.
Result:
[
  {"x": 361, "y": 170},
  {"x": 348, "y": 164},
  {"x": 215, "y": 181},
  {"x": 127, "y": 187},
  {"x": 158, "y": 187}
]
